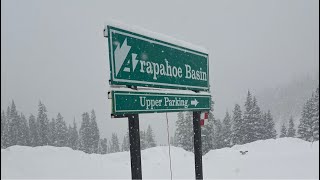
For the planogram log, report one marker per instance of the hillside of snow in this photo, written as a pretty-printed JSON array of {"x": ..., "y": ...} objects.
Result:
[{"x": 281, "y": 158}]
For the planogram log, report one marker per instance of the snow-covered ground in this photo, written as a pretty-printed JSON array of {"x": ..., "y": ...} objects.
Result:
[{"x": 270, "y": 159}]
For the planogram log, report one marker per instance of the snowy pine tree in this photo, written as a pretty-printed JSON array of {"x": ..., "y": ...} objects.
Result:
[
  {"x": 94, "y": 134},
  {"x": 99, "y": 147},
  {"x": 69, "y": 135},
  {"x": 253, "y": 121},
  {"x": 114, "y": 146},
  {"x": 172, "y": 141},
  {"x": 238, "y": 126},
  {"x": 34, "y": 133},
  {"x": 123, "y": 144},
  {"x": 291, "y": 129},
  {"x": 20, "y": 138},
  {"x": 104, "y": 146},
  {"x": 110, "y": 150},
  {"x": 175, "y": 140},
  {"x": 308, "y": 128},
  {"x": 268, "y": 127},
  {"x": 126, "y": 143},
  {"x": 43, "y": 125},
  {"x": 62, "y": 132},
  {"x": 315, "y": 115},
  {"x": 73, "y": 137},
  {"x": 179, "y": 131},
  {"x": 218, "y": 141},
  {"x": 26, "y": 131},
  {"x": 24, "y": 134},
  {"x": 3, "y": 126},
  {"x": 189, "y": 131},
  {"x": 143, "y": 142},
  {"x": 257, "y": 123},
  {"x": 150, "y": 142},
  {"x": 184, "y": 131},
  {"x": 14, "y": 125},
  {"x": 226, "y": 131},
  {"x": 4, "y": 131},
  {"x": 52, "y": 132},
  {"x": 283, "y": 131},
  {"x": 3, "y": 122},
  {"x": 84, "y": 133},
  {"x": 248, "y": 123},
  {"x": 305, "y": 126}
]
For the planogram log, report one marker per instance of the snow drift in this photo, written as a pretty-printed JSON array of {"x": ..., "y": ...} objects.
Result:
[{"x": 281, "y": 158}]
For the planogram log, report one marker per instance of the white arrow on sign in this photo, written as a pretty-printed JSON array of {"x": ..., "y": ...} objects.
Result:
[
  {"x": 120, "y": 54},
  {"x": 194, "y": 102},
  {"x": 134, "y": 61}
]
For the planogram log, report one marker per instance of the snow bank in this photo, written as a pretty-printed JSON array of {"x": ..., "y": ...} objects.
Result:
[
  {"x": 282, "y": 158},
  {"x": 285, "y": 158}
]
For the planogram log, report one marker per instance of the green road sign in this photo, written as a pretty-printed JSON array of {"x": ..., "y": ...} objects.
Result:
[
  {"x": 128, "y": 102},
  {"x": 139, "y": 60}
]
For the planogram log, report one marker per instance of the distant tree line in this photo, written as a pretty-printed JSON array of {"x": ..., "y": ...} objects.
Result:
[
  {"x": 240, "y": 127},
  {"x": 246, "y": 126},
  {"x": 38, "y": 130}
]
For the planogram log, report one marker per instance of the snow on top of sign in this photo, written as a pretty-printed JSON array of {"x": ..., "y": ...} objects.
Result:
[
  {"x": 157, "y": 90},
  {"x": 155, "y": 35}
]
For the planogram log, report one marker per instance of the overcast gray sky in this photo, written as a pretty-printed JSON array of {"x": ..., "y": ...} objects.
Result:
[{"x": 54, "y": 51}]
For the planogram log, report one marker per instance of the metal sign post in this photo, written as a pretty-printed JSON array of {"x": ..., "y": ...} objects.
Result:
[
  {"x": 135, "y": 152},
  {"x": 197, "y": 145}
]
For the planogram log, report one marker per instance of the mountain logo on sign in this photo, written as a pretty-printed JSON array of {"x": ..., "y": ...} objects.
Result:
[{"x": 120, "y": 55}]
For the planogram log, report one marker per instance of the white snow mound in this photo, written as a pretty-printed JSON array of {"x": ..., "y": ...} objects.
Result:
[{"x": 269, "y": 159}]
